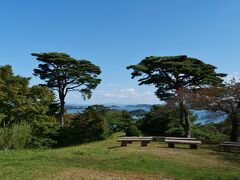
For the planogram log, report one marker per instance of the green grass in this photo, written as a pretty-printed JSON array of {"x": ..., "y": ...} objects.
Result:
[{"x": 106, "y": 156}]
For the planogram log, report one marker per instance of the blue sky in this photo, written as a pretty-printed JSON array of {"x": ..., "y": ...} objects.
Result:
[{"x": 114, "y": 34}]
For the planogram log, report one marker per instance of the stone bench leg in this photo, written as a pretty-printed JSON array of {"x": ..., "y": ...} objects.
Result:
[
  {"x": 171, "y": 145},
  {"x": 193, "y": 146},
  {"x": 144, "y": 144},
  {"x": 123, "y": 144}
]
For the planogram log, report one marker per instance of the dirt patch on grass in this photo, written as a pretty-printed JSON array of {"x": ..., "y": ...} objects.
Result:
[{"x": 90, "y": 174}]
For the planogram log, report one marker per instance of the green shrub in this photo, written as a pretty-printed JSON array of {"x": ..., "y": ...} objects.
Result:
[
  {"x": 16, "y": 137},
  {"x": 90, "y": 125},
  {"x": 115, "y": 121},
  {"x": 209, "y": 134},
  {"x": 43, "y": 129},
  {"x": 132, "y": 130},
  {"x": 161, "y": 121}
]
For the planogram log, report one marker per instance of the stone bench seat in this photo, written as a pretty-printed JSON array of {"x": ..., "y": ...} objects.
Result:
[
  {"x": 126, "y": 140},
  {"x": 228, "y": 146},
  {"x": 136, "y": 137},
  {"x": 192, "y": 142},
  {"x": 180, "y": 138}
]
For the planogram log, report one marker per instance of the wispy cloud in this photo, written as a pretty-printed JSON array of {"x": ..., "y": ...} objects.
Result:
[
  {"x": 128, "y": 93},
  {"x": 125, "y": 96}
]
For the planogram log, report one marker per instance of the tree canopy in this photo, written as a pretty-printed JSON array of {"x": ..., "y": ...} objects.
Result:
[
  {"x": 225, "y": 99},
  {"x": 63, "y": 73},
  {"x": 20, "y": 103},
  {"x": 172, "y": 74}
]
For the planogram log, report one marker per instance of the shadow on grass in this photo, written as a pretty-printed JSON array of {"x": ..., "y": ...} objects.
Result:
[
  {"x": 212, "y": 147},
  {"x": 176, "y": 147},
  {"x": 233, "y": 156},
  {"x": 114, "y": 147}
]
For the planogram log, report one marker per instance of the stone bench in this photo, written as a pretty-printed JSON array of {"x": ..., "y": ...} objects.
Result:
[
  {"x": 128, "y": 140},
  {"x": 228, "y": 146},
  {"x": 179, "y": 140},
  {"x": 158, "y": 138}
]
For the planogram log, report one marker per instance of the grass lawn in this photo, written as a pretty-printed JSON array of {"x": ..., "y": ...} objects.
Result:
[{"x": 107, "y": 160}]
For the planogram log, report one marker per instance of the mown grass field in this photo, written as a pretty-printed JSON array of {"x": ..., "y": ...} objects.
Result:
[{"x": 107, "y": 160}]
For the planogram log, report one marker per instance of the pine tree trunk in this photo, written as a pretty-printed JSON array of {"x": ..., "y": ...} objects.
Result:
[
  {"x": 234, "y": 130},
  {"x": 185, "y": 121},
  {"x": 62, "y": 110},
  {"x": 188, "y": 129}
]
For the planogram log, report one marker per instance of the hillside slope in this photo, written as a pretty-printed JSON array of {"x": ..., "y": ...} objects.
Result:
[{"x": 107, "y": 160}]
